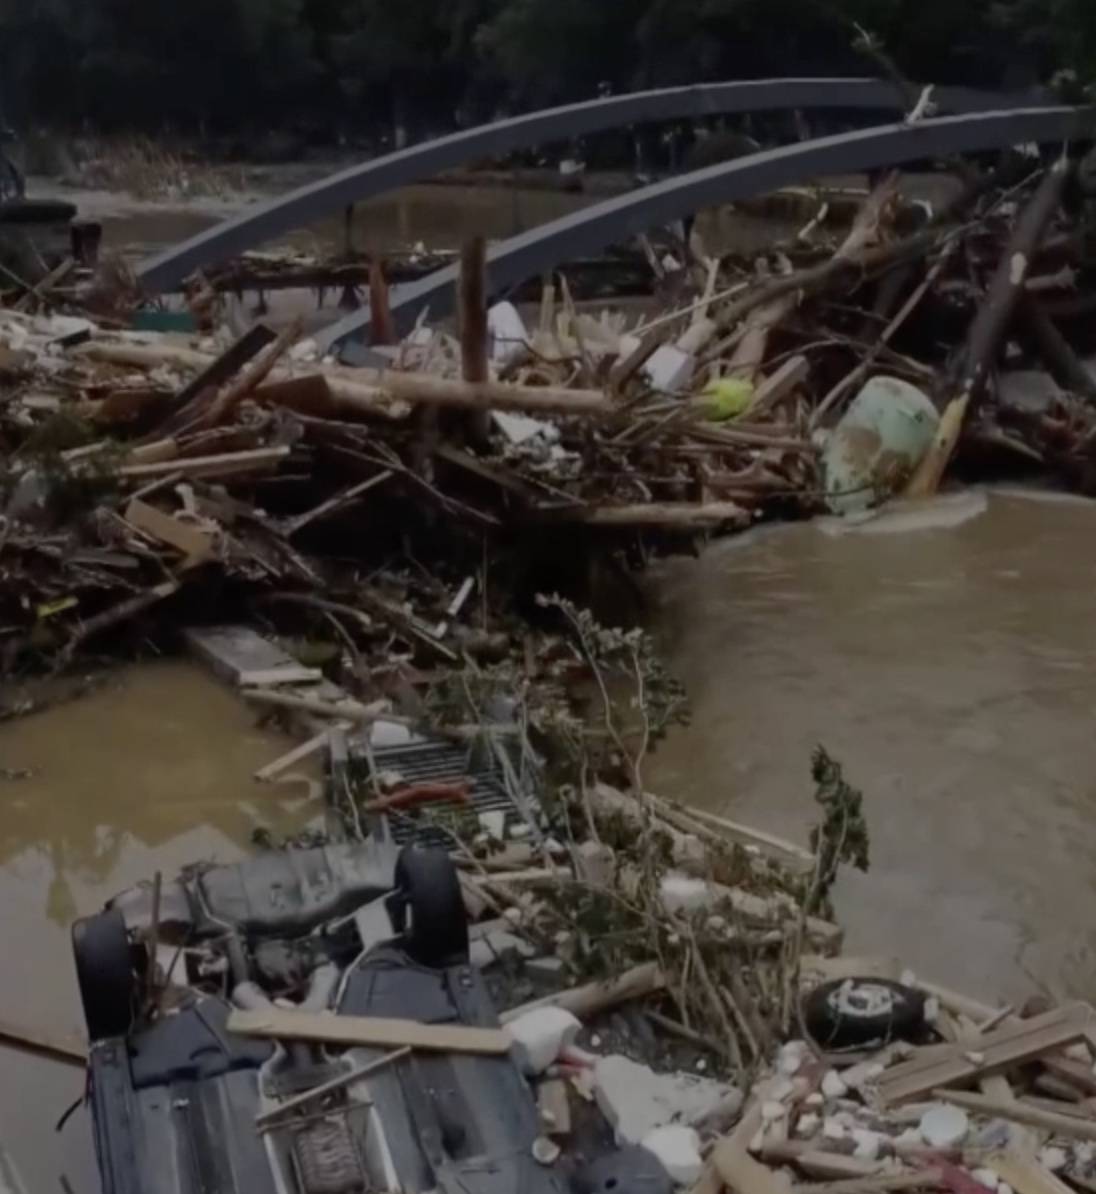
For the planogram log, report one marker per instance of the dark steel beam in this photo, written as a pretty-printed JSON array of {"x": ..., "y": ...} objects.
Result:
[
  {"x": 167, "y": 269},
  {"x": 615, "y": 220}
]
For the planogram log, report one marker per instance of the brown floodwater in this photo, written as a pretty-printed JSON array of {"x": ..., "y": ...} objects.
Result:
[
  {"x": 948, "y": 659},
  {"x": 150, "y": 772}
]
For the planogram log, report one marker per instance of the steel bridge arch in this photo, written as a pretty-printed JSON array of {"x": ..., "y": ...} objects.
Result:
[
  {"x": 512, "y": 261},
  {"x": 168, "y": 268}
]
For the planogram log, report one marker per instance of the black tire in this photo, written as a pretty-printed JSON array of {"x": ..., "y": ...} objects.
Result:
[
  {"x": 427, "y": 886},
  {"x": 37, "y": 211},
  {"x": 855, "y": 1011},
  {"x": 104, "y": 970}
]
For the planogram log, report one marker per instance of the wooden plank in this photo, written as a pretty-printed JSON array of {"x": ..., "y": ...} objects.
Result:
[
  {"x": 1025, "y": 1175},
  {"x": 227, "y": 464},
  {"x": 737, "y": 1169},
  {"x": 554, "y": 1106},
  {"x": 368, "y": 1030},
  {"x": 298, "y": 753},
  {"x": 196, "y": 545},
  {"x": 1021, "y": 1113},
  {"x": 922, "y": 1179},
  {"x": 241, "y": 656},
  {"x": 1007, "y": 1046},
  {"x": 592, "y": 998},
  {"x": 221, "y": 368}
]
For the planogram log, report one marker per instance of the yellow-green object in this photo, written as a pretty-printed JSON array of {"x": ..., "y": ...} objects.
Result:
[
  {"x": 727, "y": 397},
  {"x": 51, "y": 608}
]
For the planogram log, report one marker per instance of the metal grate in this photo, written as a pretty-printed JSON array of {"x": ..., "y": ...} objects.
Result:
[{"x": 440, "y": 762}]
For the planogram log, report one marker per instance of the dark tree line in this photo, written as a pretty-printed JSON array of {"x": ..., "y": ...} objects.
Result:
[{"x": 354, "y": 67}]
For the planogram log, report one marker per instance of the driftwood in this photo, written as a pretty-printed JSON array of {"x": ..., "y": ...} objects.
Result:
[{"x": 592, "y": 998}]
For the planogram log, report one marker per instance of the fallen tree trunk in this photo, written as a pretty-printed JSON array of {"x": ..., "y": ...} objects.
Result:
[
  {"x": 986, "y": 332},
  {"x": 658, "y": 515},
  {"x": 371, "y": 391}
]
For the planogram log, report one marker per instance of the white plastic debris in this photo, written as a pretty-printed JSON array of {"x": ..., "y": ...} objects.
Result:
[
  {"x": 792, "y": 1056},
  {"x": 808, "y": 1124},
  {"x": 1054, "y": 1159},
  {"x": 683, "y": 893},
  {"x": 669, "y": 369},
  {"x": 868, "y": 1144},
  {"x": 944, "y": 1126},
  {"x": 521, "y": 429},
  {"x": 814, "y": 1099},
  {"x": 494, "y": 822},
  {"x": 540, "y": 1035},
  {"x": 304, "y": 350},
  {"x": 678, "y": 1151},
  {"x": 985, "y": 1177},
  {"x": 833, "y": 1085},
  {"x": 834, "y": 1128},
  {"x": 932, "y": 1010},
  {"x": 508, "y": 331},
  {"x": 772, "y": 1111},
  {"x": 634, "y": 1099},
  {"x": 545, "y": 1151}
]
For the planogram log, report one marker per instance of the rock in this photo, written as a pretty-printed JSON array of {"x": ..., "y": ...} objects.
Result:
[
  {"x": 540, "y": 1035},
  {"x": 815, "y": 1099},
  {"x": 944, "y": 1126},
  {"x": 985, "y": 1177},
  {"x": 635, "y": 1100},
  {"x": 1054, "y": 1159},
  {"x": 678, "y": 1151},
  {"x": 833, "y": 1085}
]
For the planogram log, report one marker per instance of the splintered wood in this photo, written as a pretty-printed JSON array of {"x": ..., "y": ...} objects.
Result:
[{"x": 956, "y": 1064}]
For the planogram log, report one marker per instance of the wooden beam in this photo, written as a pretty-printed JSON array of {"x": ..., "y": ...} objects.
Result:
[
  {"x": 326, "y": 1028},
  {"x": 1007, "y": 1046},
  {"x": 1021, "y": 1113}
]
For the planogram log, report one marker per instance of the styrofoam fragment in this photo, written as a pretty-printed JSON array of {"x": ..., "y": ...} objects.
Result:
[
  {"x": 678, "y": 1151},
  {"x": 833, "y": 1085},
  {"x": 1053, "y": 1158},
  {"x": 868, "y": 1144}
]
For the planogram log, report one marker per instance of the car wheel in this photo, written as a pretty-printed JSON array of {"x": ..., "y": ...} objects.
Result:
[
  {"x": 104, "y": 970},
  {"x": 428, "y": 888},
  {"x": 855, "y": 1011}
]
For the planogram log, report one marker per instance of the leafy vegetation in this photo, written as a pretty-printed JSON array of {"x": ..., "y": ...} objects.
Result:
[{"x": 357, "y": 67}]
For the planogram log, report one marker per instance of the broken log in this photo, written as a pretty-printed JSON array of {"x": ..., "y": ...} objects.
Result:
[
  {"x": 973, "y": 365},
  {"x": 592, "y": 998}
]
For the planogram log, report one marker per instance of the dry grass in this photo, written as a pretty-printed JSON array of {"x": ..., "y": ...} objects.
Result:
[{"x": 147, "y": 170}]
